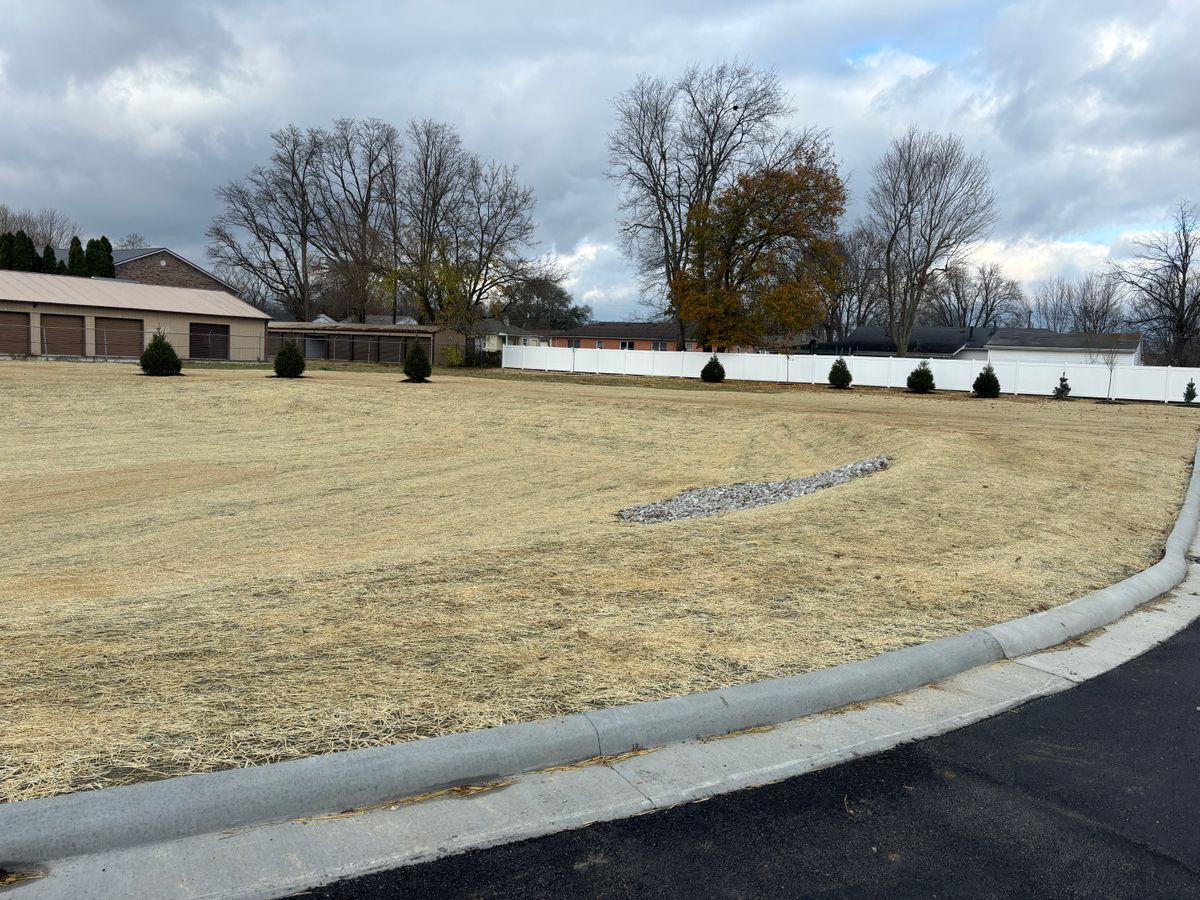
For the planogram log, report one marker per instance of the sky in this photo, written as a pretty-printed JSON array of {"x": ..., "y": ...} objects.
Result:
[{"x": 127, "y": 115}]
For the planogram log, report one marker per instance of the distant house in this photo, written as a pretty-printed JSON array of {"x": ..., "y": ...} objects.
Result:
[
  {"x": 994, "y": 345},
  {"x": 161, "y": 266},
  {"x": 489, "y": 335},
  {"x": 622, "y": 336}
]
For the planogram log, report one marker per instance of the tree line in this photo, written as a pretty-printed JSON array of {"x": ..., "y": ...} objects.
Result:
[
  {"x": 363, "y": 218},
  {"x": 23, "y": 232},
  {"x": 19, "y": 253},
  {"x": 734, "y": 225}
]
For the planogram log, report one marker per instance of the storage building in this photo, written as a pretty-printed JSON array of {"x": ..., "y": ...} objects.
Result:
[{"x": 106, "y": 318}]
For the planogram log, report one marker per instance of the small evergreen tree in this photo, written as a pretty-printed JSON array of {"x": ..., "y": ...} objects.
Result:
[
  {"x": 416, "y": 363},
  {"x": 76, "y": 259},
  {"x": 986, "y": 383},
  {"x": 93, "y": 259},
  {"x": 839, "y": 374},
  {"x": 24, "y": 254},
  {"x": 713, "y": 372},
  {"x": 920, "y": 379},
  {"x": 6, "y": 250},
  {"x": 62, "y": 269},
  {"x": 159, "y": 357},
  {"x": 1189, "y": 392},
  {"x": 108, "y": 268},
  {"x": 1063, "y": 391},
  {"x": 289, "y": 361},
  {"x": 49, "y": 260}
]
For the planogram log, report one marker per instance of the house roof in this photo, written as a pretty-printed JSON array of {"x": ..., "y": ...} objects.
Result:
[
  {"x": 646, "y": 331},
  {"x": 499, "y": 326},
  {"x": 112, "y": 293},
  {"x": 1041, "y": 339},
  {"x": 353, "y": 327},
  {"x": 379, "y": 320},
  {"x": 929, "y": 340},
  {"x": 120, "y": 257}
]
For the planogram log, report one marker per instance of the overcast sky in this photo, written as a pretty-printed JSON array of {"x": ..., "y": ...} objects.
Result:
[{"x": 126, "y": 115}]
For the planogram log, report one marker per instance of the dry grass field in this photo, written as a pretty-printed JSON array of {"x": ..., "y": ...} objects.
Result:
[{"x": 227, "y": 569}]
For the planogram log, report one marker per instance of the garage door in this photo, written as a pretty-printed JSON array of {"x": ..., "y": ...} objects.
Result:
[
  {"x": 206, "y": 341},
  {"x": 62, "y": 335},
  {"x": 14, "y": 332},
  {"x": 119, "y": 337}
]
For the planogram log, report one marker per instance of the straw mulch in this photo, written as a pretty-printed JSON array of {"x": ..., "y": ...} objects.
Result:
[{"x": 225, "y": 569}]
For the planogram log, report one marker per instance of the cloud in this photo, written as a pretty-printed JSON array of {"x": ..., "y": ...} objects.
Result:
[{"x": 128, "y": 114}]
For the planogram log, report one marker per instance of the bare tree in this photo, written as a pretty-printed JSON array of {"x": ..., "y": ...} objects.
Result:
[
  {"x": 929, "y": 202},
  {"x": 971, "y": 298},
  {"x": 675, "y": 146},
  {"x": 854, "y": 284},
  {"x": 267, "y": 228},
  {"x": 1052, "y": 305},
  {"x": 46, "y": 226},
  {"x": 1163, "y": 285},
  {"x": 131, "y": 241},
  {"x": 1096, "y": 305},
  {"x": 431, "y": 196},
  {"x": 353, "y": 198}
]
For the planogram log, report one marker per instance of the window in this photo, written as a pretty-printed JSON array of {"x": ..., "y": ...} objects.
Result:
[
  {"x": 658, "y": 345},
  {"x": 628, "y": 345},
  {"x": 599, "y": 345},
  {"x": 573, "y": 343}
]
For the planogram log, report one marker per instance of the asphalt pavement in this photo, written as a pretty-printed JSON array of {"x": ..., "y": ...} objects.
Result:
[{"x": 1093, "y": 792}]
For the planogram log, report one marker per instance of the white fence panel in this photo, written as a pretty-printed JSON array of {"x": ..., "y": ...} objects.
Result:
[
  {"x": 1136, "y": 383},
  {"x": 1150, "y": 383},
  {"x": 1086, "y": 380},
  {"x": 639, "y": 362},
  {"x": 1177, "y": 380},
  {"x": 950, "y": 374}
]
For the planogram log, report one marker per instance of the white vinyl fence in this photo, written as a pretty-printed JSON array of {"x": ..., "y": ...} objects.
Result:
[{"x": 1156, "y": 383}]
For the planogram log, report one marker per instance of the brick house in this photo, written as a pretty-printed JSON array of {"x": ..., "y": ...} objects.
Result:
[
  {"x": 621, "y": 336},
  {"x": 161, "y": 266}
]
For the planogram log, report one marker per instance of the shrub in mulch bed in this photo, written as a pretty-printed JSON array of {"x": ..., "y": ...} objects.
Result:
[
  {"x": 920, "y": 379},
  {"x": 839, "y": 375},
  {"x": 713, "y": 372},
  {"x": 986, "y": 384},
  {"x": 159, "y": 357},
  {"x": 289, "y": 361},
  {"x": 416, "y": 365}
]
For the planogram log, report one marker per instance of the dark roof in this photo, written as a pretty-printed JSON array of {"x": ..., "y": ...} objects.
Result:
[
  {"x": 499, "y": 326},
  {"x": 351, "y": 327},
  {"x": 1041, "y": 339},
  {"x": 381, "y": 320},
  {"x": 925, "y": 340},
  {"x": 645, "y": 331}
]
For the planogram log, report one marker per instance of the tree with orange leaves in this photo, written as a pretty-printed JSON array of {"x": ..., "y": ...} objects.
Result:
[{"x": 760, "y": 252}]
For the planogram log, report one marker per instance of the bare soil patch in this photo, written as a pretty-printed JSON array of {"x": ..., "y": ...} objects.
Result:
[{"x": 227, "y": 569}]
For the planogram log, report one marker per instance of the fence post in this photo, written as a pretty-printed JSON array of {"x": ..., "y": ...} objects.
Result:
[
  {"x": 624, "y": 362},
  {"x": 891, "y": 360},
  {"x": 1016, "y": 376},
  {"x": 572, "y": 360},
  {"x": 1167, "y": 386},
  {"x": 683, "y": 362}
]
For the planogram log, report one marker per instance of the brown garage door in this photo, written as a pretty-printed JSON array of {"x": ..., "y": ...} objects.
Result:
[
  {"x": 62, "y": 335},
  {"x": 14, "y": 332},
  {"x": 207, "y": 341},
  {"x": 119, "y": 337}
]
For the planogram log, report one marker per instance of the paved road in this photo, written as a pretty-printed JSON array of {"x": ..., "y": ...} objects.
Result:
[{"x": 1094, "y": 792}]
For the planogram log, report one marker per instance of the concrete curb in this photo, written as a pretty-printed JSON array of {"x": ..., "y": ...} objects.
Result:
[{"x": 33, "y": 831}]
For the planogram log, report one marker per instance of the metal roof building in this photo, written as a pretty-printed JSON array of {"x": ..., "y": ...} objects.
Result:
[{"x": 62, "y": 316}]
